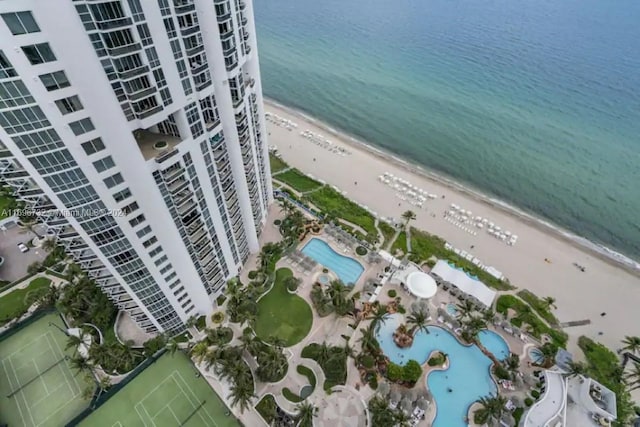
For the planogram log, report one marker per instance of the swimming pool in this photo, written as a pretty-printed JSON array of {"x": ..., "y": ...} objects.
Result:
[
  {"x": 347, "y": 269},
  {"x": 467, "y": 377},
  {"x": 452, "y": 309},
  {"x": 323, "y": 279}
]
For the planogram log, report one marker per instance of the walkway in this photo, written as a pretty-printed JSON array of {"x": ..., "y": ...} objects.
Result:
[
  {"x": 550, "y": 404},
  {"x": 55, "y": 281}
]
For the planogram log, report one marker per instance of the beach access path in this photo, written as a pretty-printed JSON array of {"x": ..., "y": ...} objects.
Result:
[{"x": 602, "y": 288}]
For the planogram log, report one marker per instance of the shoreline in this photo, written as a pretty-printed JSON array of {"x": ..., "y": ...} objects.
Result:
[{"x": 610, "y": 256}]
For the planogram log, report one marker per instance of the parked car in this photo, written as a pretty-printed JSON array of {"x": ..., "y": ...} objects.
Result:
[{"x": 23, "y": 248}]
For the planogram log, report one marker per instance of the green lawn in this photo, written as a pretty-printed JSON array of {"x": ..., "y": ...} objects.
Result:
[
  {"x": 167, "y": 393},
  {"x": 277, "y": 164},
  {"x": 297, "y": 180},
  {"x": 603, "y": 365},
  {"x": 387, "y": 231},
  {"x": 330, "y": 201},
  {"x": 14, "y": 304},
  {"x": 283, "y": 315},
  {"x": 400, "y": 243},
  {"x": 5, "y": 202},
  {"x": 539, "y": 306},
  {"x": 424, "y": 245},
  {"x": 38, "y": 386},
  {"x": 267, "y": 408},
  {"x": 538, "y": 327}
]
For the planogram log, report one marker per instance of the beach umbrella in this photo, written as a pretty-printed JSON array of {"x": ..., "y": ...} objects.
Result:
[{"x": 508, "y": 233}]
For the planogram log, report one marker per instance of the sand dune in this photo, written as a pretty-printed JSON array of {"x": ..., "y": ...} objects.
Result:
[{"x": 603, "y": 287}]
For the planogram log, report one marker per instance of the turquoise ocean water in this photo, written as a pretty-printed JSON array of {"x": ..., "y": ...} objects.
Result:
[{"x": 532, "y": 102}]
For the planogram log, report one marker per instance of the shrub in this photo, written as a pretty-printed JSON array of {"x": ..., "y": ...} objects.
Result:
[
  {"x": 277, "y": 222},
  {"x": 325, "y": 270},
  {"x": 528, "y": 402},
  {"x": 394, "y": 372},
  {"x": 361, "y": 250},
  {"x": 501, "y": 372},
  {"x": 217, "y": 317},
  {"x": 411, "y": 371},
  {"x": 392, "y": 293},
  {"x": 368, "y": 361},
  {"x": 437, "y": 359},
  {"x": 219, "y": 336},
  {"x": 535, "y": 394},
  {"x": 221, "y": 299},
  {"x": 373, "y": 383},
  {"x": 252, "y": 274},
  {"x": 401, "y": 309}
]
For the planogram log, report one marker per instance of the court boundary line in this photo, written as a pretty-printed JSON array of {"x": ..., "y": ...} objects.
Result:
[
  {"x": 73, "y": 394},
  {"x": 196, "y": 397},
  {"x": 21, "y": 392},
  {"x": 4, "y": 367}
]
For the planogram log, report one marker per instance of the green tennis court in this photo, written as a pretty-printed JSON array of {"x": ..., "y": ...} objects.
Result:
[
  {"x": 37, "y": 386},
  {"x": 165, "y": 394}
]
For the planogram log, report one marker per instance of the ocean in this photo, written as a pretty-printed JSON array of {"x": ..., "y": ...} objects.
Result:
[{"x": 532, "y": 102}]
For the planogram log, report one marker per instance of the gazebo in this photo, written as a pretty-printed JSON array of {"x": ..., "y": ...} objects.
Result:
[{"x": 421, "y": 285}]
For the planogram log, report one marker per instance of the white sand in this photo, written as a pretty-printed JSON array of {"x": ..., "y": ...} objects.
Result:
[{"x": 604, "y": 287}]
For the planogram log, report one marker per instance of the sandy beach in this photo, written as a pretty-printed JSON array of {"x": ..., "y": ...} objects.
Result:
[{"x": 604, "y": 286}]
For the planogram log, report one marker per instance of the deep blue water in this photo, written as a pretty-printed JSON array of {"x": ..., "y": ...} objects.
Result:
[{"x": 534, "y": 102}]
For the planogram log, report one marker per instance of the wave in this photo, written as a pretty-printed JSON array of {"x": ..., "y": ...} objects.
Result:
[{"x": 594, "y": 247}]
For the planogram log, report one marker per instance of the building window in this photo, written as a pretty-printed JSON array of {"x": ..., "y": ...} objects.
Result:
[
  {"x": 20, "y": 23},
  {"x": 39, "y": 53},
  {"x": 93, "y": 146},
  {"x": 14, "y": 93},
  {"x": 122, "y": 195},
  {"x": 69, "y": 105},
  {"x": 54, "y": 81},
  {"x": 81, "y": 126},
  {"x": 113, "y": 180},
  {"x": 137, "y": 220},
  {"x": 104, "y": 164},
  {"x": 23, "y": 119},
  {"x": 6, "y": 69},
  {"x": 146, "y": 230}
]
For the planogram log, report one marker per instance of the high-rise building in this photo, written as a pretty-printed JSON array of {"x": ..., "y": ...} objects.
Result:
[{"x": 136, "y": 130}]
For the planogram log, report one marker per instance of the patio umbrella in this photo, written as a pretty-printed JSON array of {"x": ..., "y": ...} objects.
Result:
[
  {"x": 422, "y": 403},
  {"x": 407, "y": 405},
  {"x": 383, "y": 389}
]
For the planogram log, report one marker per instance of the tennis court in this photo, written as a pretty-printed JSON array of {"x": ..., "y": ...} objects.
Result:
[
  {"x": 37, "y": 386},
  {"x": 165, "y": 394}
]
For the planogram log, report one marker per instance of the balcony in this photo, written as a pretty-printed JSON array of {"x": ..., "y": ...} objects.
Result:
[
  {"x": 225, "y": 16},
  {"x": 152, "y": 144},
  {"x": 177, "y": 185},
  {"x": 187, "y": 31},
  {"x": 183, "y": 6},
  {"x": 141, "y": 94},
  {"x": 114, "y": 23},
  {"x": 187, "y": 207},
  {"x": 123, "y": 50},
  {"x": 4, "y": 152},
  {"x": 149, "y": 111},
  {"x": 134, "y": 72},
  {"x": 194, "y": 50}
]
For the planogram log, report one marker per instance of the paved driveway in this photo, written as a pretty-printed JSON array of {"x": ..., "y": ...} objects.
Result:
[{"x": 15, "y": 262}]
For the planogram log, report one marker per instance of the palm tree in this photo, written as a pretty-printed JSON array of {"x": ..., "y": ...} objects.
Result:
[
  {"x": 172, "y": 346},
  {"x": 324, "y": 353},
  {"x": 576, "y": 369},
  {"x": 305, "y": 414},
  {"x": 418, "y": 319},
  {"x": 74, "y": 341},
  {"x": 379, "y": 316},
  {"x": 49, "y": 245},
  {"x": 241, "y": 393},
  {"x": 512, "y": 364},
  {"x": 286, "y": 207},
  {"x": 524, "y": 315},
  {"x": 368, "y": 340},
  {"x": 549, "y": 302},
  {"x": 408, "y": 216},
  {"x": 631, "y": 344},
  {"x": 493, "y": 408},
  {"x": 633, "y": 378},
  {"x": 80, "y": 364},
  {"x": 199, "y": 351},
  {"x": 191, "y": 322},
  {"x": 465, "y": 308},
  {"x": 548, "y": 353}
]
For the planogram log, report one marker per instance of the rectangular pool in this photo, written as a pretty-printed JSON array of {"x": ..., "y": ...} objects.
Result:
[{"x": 346, "y": 268}]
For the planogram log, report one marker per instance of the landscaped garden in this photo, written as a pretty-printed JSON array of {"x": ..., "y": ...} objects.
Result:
[
  {"x": 335, "y": 204},
  {"x": 332, "y": 360},
  {"x": 276, "y": 164},
  {"x": 526, "y": 316},
  {"x": 17, "y": 302},
  {"x": 282, "y": 314},
  {"x": 297, "y": 180}
]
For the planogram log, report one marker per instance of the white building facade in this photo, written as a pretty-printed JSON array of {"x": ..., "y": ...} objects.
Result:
[{"x": 135, "y": 129}]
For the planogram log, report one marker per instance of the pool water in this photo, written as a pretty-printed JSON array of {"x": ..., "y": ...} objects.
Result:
[
  {"x": 347, "y": 269},
  {"x": 466, "y": 380},
  {"x": 452, "y": 309},
  {"x": 323, "y": 279}
]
